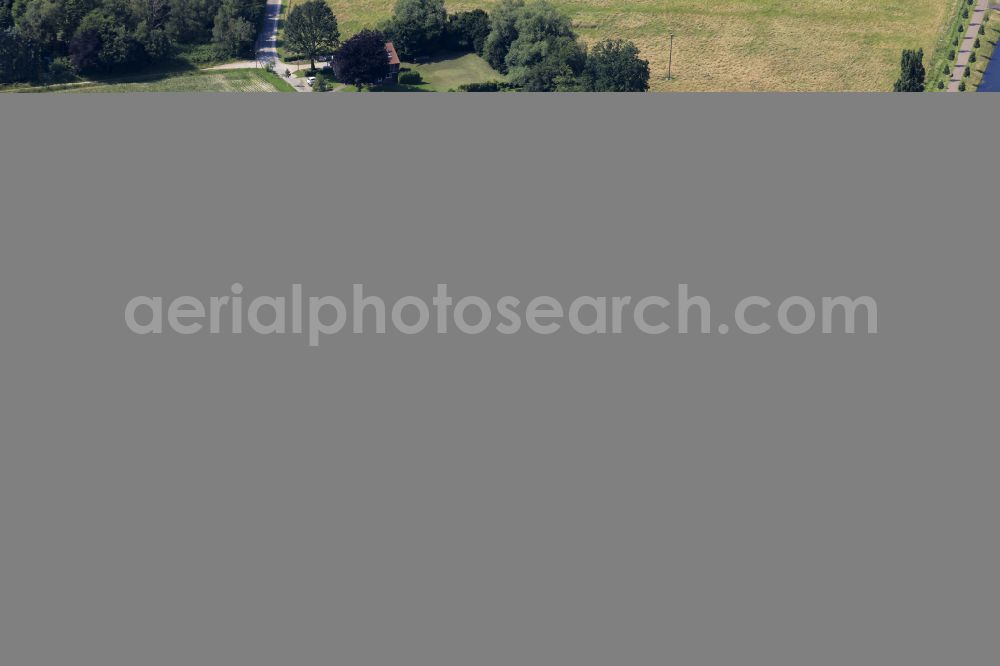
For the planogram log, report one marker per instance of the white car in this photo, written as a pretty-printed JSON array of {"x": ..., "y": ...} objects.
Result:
[{"x": 310, "y": 80}]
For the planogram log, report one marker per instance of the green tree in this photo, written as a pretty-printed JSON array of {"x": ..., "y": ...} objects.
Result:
[
  {"x": 192, "y": 20},
  {"x": 911, "y": 72},
  {"x": 312, "y": 30},
  {"x": 417, "y": 27},
  {"x": 108, "y": 39},
  {"x": 615, "y": 66},
  {"x": 233, "y": 31},
  {"x": 467, "y": 31},
  {"x": 545, "y": 55},
  {"x": 503, "y": 32},
  {"x": 20, "y": 56}
]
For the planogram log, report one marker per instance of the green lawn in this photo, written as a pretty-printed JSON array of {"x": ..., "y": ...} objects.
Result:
[
  {"x": 790, "y": 45},
  {"x": 445, "y": 72},
  {"x": 448, "y": 72},
  {"x": 228, "y": 80}
]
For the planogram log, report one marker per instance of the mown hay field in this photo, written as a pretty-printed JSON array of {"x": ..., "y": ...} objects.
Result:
[
  {"x": 231, "y": 80},
  {"x": 748, "y": 45}
]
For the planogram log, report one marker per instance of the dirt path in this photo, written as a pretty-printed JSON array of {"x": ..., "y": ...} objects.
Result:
[{"x": 965, "y": 48}]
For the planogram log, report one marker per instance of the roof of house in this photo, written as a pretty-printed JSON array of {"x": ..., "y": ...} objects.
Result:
[{"x": 391, "y": 50}]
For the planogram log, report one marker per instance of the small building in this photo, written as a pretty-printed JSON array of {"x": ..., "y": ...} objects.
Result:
[{"x": 393, "y": 62}]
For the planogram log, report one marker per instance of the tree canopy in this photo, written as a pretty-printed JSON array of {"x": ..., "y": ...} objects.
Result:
[
  {"x": 48, "y": 40},
  {"x": 311, "y": 30},
  {"x": 545, "y": 54},
  {"x": 911, "y": 72},
  {"x": 362, "y": 59},
  {"x": 503, "y": 32},
  {"x": 614, "y": 65},
  {"x": 417, "y": 27},
  {"x": 467, "y": 31}
]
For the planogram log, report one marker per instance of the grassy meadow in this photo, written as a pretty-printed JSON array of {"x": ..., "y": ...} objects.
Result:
[{"x": 747, "y": 45}]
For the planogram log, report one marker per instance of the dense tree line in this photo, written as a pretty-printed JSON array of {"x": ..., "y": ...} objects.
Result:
[{"x": 53, "y": 40}]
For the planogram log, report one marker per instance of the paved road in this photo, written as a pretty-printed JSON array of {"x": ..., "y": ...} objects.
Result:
[
  {"x": 965, "y": 48},
  {"x": 266, "y": 48}
]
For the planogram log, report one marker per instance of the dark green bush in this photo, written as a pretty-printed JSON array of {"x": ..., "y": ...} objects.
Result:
[
  {"x": 485, "y": 86},
  {"x": 61, "y": 70},
  {"x": 940, "y": 85},
  {"x": 961, "y": 86},
  {"x": 410, "y": 77}
]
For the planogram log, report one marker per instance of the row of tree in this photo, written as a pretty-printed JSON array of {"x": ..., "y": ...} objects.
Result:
[
  {"x": 52, "y": 40},
  {"x": 532, "y": 42}
]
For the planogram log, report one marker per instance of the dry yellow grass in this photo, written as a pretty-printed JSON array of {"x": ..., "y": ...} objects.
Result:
[{"x": 752, "y": 45}]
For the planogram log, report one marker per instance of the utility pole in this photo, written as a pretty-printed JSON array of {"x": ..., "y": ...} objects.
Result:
[{"x": 670, "y": 59}]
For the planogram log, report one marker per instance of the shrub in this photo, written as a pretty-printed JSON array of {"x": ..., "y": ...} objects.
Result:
[
  {"x": 982, "y": 28},
  {"x": 951, "y": 55},
  {"x": 940, "y": 85},
  {"x": 965, "y": 12},
  {"x": 947, "y": 70},
  {"x": 485, "y": 86},
  {"x": 410, "y": 77},
  {"x": 961, "y": 86},
  {"x": 976, "y": 45},
  {"x": 972, "y": 57},
  {"x": 968, "y": 70},
  {"x": 61, "y": 70}
]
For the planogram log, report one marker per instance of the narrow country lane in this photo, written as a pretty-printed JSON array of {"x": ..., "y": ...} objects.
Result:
[
  {"x": 266, "y": 48},
  {"x": 267, "y": 44},
  {"x": 965, "y": 48}
]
